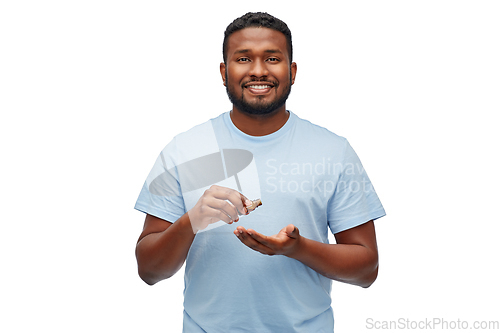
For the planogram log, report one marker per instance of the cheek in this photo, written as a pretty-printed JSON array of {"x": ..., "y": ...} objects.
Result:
[
  {"x": 283, "y": 74},
  {"x": 235, "y": 74}
]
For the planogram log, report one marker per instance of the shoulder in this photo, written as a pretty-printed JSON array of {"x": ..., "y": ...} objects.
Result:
[
  {"x": 200, "y": 130},
  {"x": 318, "y": 133},
  {"x": 198, "y": 141}
]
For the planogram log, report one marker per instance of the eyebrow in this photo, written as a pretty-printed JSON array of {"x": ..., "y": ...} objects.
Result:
[{"x": 266, "y": 51}]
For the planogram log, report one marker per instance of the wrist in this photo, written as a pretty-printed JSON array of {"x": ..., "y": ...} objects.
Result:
[{"x": 186, "y": 223}]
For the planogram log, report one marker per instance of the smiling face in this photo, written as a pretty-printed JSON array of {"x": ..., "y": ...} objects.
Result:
[{"x": 257, "y": 73}]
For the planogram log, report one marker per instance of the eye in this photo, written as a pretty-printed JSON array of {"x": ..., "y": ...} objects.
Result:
[
  {"x": 243, "y": 59},
  {"x": 273, "y": 59}
]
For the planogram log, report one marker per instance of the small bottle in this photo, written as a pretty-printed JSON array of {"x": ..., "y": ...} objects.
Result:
[{"x": 255, "y": 203}]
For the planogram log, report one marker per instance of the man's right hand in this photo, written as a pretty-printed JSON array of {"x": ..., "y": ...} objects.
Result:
[{"x": 216, "y": 204}]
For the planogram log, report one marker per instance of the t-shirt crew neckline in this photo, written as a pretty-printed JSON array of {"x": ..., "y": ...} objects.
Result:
[{"x": 260, "y": 139}]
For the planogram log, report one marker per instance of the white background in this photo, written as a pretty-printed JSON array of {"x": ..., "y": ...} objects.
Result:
[{"x": 91, "y": 91}]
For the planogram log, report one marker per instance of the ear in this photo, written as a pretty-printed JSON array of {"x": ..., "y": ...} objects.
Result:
[
  {"x": 223, "y": 72},
  {"x": 293, "y": 69}
]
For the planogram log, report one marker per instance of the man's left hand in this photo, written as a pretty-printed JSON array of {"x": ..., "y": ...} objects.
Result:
[{"x": 285, "y": 242}]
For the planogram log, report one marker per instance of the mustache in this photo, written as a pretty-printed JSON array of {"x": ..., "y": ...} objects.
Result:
[{"x": 274, "y": 83}]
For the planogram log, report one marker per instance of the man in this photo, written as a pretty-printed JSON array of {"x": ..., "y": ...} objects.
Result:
[{"x": 273, "y": 272}]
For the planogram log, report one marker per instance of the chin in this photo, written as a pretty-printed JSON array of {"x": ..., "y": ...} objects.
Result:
[{"x": 257, "y": 109}]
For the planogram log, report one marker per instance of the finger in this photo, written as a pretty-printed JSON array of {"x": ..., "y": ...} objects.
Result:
[
  {"x": 239, "y": 201},
  {"x": 233, "y": 196},
  {"x": 216, "y": 215},
  {"x": 224, "y": 206},
  {"x": 292, "y": 231},
  {"x": 249, "y": 241},
  {"x": 246, "y": 203},
  {"x": 260, "y": 238}
]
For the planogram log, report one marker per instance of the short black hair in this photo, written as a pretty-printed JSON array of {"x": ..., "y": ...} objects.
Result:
[{"x": 258, "y": 19}]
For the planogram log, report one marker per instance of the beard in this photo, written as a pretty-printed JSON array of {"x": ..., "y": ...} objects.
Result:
[{"x": 259, "y": 107}]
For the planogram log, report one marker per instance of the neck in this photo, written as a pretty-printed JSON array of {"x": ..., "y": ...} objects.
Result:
[{"x": 259, "y": 125}]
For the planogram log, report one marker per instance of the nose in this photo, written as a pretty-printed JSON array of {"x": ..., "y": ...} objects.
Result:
[{"x": 258, "y": 68}]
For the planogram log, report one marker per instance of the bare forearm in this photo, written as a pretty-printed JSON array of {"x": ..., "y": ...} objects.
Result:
[
  {"x": 350, "y": 263},
  {"x": 160, "y": 255}
]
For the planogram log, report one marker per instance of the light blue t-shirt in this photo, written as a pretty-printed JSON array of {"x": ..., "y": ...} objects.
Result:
[{"x": 304, "y": 175}]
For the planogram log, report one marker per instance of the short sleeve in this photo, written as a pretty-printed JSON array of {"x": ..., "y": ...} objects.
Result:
[
  {"x": 354, "y": 200},
  {"x": 160, "y": 195}
]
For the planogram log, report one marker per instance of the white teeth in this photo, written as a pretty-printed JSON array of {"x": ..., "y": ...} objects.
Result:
[{"x": 259, "y": 87}]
